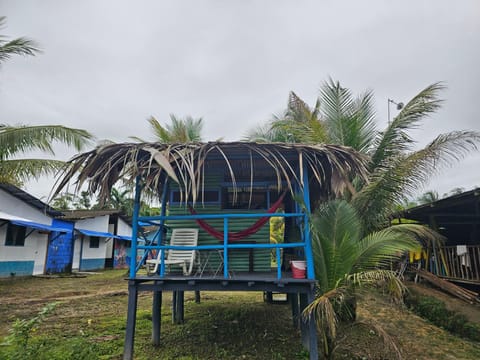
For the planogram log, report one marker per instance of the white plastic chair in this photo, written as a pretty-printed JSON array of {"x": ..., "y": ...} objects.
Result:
[{"x": 183, "y": 258}]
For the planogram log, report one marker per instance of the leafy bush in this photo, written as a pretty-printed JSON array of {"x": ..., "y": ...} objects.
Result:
[
  {"x": 18, "y": 344},
  {"x": 436, "y": 312}
]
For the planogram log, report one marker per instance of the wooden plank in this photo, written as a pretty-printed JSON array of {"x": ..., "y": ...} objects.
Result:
[
  {"x": 476, "y": 255},
  {"x": 449, "y": 287}
]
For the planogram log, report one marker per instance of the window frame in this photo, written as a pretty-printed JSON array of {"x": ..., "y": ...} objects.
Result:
[
  {"x": 175, "y": 199},
  {"x": 95, "y": 244},
  {"x": 16, "y": 239}
]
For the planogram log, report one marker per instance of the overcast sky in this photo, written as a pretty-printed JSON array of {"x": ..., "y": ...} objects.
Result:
[{"x": 108, "y": 65}]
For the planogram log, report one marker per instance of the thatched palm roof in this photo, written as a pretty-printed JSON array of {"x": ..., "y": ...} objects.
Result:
[{"x": 329, "y": 166}]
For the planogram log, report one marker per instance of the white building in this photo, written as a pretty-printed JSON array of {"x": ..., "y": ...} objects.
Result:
[{"x": 36, "y": 239}]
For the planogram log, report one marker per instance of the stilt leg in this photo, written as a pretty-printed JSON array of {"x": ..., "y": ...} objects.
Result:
[
  {"x": 312, "y": 330},
  {"x": 180, "y": 307},
  {"x": 174, "y": 307},
  {"x": 303, "y": 324},
  {"x": 294, "y": 304},
  {"x": 156, "y": 317},
  {"x": 197, "y": 297},
  {"x": 131, "y": 319}
]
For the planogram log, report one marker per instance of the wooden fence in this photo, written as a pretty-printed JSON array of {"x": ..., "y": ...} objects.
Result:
[{"x": 461, "y": 262}]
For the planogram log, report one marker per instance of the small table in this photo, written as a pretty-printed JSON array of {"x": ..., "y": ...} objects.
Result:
[
  {"x": 207, "y": 258},
  {"x": 207, "y": 262}
]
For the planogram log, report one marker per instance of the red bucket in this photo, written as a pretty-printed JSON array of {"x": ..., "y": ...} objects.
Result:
[{"x": 298, "y": 269}]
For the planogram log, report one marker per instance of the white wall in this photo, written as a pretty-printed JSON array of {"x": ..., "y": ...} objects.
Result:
[
  {"x": 99, "y": 223},
  {"x": 35, "y": 248},
  {"x": 123, "y": 228},
  {"x": 14, "y": 206}
]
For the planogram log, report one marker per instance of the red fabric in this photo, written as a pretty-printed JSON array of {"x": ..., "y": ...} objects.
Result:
[{"x": 240, "y": 234}]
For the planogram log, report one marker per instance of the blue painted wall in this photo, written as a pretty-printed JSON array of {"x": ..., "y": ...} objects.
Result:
[
  {"x": 16, "y": 268},
  {"x": 92, "y": 264},
  {"x": 60, "y": 249}
]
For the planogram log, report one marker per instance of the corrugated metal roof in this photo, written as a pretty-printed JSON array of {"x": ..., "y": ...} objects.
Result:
[{"x": 86, "y": 214}]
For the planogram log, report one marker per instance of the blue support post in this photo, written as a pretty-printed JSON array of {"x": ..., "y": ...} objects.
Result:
[
  {"x": 307, "y": 235},
  {"x": 162, "y": 223},
  {"x": 225, "y": 248},
  {"x": 136, "y": 210},
  {"x": 279, "y": 263}
]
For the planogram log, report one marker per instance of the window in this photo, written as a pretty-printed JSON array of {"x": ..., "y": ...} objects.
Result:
[
  {"x": 15, "y": 235},
  {"x": 94, "y": 242},
  {"x": 208, "y": 196},
  {"x": 245, "y": 198}
]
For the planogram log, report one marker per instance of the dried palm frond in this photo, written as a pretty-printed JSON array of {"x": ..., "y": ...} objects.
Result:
[{"x": 330, "y": 166}]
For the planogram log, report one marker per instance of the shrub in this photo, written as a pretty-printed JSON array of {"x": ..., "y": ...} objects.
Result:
[
  {"x": 18, "y": 344},
  {"x": 436, "y": 312}
]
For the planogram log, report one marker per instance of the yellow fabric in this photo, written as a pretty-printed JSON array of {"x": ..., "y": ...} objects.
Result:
[{"x": 417, "y": 255}]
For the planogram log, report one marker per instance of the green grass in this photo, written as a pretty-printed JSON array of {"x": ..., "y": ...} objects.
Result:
[
  {"x": 89, "y": 323},
  {"x": 225, "y": 325}
]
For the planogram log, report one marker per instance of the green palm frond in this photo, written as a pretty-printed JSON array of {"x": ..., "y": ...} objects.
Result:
[
  {"x": 379, "y": 248},
  {"x": 18, "y": 171},
  {"x": 336, "y": 230},
  {"x": 19, "y": 139},
  {"x": 350, "y": 121},
  {"x": 178, "y": 131},
  {"x": 161, "y": 133},
  {"x": 395, "y": 139},
  {"x": 265, "y": 134},
  {"x": 340, "y": 248},
  {"x": 401, "y": 176},
  {"x": 297, "y": 124},
  {"x": 336, "y": 106},
  {"x": 362, "y": 129},
  {"x": 19, "y": 46},
  {"x": 373, "y": 277}
]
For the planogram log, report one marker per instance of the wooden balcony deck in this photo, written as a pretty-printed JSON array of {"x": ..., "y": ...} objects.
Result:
[{"x": 243, "y": 281}]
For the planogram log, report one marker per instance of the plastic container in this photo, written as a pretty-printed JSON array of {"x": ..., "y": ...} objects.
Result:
[{"x": 298, "y": 269}]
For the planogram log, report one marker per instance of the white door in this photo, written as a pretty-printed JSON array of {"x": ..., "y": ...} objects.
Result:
[{"x": 76, "y": 253}]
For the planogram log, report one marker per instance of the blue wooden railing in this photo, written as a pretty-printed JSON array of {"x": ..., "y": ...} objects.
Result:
[{"x": 226, "y": 246}]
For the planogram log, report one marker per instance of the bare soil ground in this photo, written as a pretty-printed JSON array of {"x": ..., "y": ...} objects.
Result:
[{"x": 226, "y": 325}]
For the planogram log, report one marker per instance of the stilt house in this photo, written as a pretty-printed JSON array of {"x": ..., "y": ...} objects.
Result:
[{"x": 226, "y": 193}]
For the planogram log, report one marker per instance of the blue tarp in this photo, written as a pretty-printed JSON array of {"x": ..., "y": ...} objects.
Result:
[
  {"x": 96, "y": 233},
  {"x": 104, "y": 234},
  {"x": 38, "y": 226}
]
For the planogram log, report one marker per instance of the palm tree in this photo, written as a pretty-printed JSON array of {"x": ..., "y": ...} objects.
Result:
[
  {"x": 179, "y": 131},
  {"x": 396, "y": 169},
  {"x": 352, "y": 240},
  {"x": 346, "y": 257},
  {"x": 19, "y": 46},
  {"x": 298, "y": 124}
]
